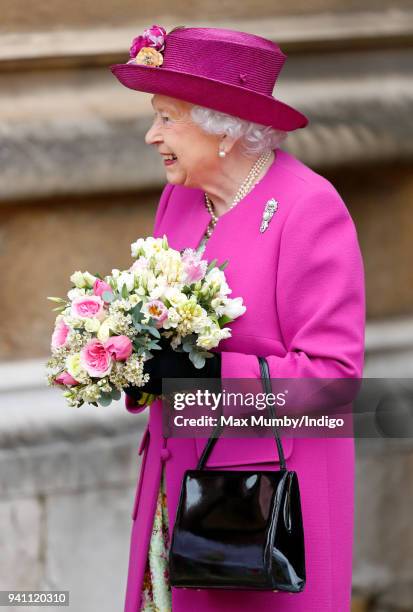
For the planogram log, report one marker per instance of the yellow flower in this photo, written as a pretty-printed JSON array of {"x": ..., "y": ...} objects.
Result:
[
  {"x": 103, "y": 332},
  {"x": 74, "y": 367},
  {"x": 92, "y": 325},
  {"x": 149, "y": 57}
]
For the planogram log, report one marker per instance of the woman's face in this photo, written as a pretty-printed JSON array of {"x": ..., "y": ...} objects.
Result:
[{"x": 173, "y": 131}]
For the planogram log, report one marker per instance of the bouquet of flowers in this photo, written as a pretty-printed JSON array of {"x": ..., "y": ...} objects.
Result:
[{"x": 107, "y": 327}]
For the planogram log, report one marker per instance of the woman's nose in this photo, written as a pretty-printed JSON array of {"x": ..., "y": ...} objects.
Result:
[{"x": 153, "y": 134}]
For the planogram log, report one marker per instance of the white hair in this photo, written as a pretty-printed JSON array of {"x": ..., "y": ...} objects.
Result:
[{"x": 254, "y": 137}]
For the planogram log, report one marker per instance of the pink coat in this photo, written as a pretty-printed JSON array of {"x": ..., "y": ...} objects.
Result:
[{"x": 302, "y": 282}]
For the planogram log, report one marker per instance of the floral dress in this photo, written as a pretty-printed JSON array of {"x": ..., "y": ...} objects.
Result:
[{"x": 156, "y": 590}]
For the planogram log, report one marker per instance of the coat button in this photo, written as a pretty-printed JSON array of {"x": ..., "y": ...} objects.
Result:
[{"x": 165, "y": 454}]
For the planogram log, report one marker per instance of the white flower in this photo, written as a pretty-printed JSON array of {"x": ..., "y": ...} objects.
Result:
[
  {"x": 72, "y": 294},
  {"x": 140, "y": 292},
  {"x": 92, "y": 325},
  {"x": 198, "y": 324},
  {"x": 105, "y": 329},
  {"x": 157, "y": 293},
  {"x": 74, "y": 368},
  {"x": 134, "y": 299},
  {"x": 218, "y": 305},
  {"x": 126, "y": 278},
  {"x": 175, "y": 297},
  {"x": 136, "y": 246},
  {"x": 211, "y": 336},
  {"x": 89, "y": 279},
  {"x": 147, "y": 246},
  {"x": 74, "y": 321},
  {"x": 172, "y": 320},
  {"x": 169, "y": 264},
  {"x": 217, "y": 277},
  {"x": 91, "y": 393},
  {"x": 233, "y": 308},
  {"x": 142, "y": 263},
  {"x": 157, "y": 287},
  {"x": 78, "y": 279},
  {"x": 154, "y": 284},
  {"x": 83, "y": 279}
]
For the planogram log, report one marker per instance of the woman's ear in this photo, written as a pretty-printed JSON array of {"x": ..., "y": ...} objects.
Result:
[{"x": 228, "y": 142}]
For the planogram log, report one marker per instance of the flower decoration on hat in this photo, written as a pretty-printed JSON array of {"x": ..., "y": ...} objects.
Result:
[
  {"x": 149, "y": 57},
  {"x": 147, "y": 48}
]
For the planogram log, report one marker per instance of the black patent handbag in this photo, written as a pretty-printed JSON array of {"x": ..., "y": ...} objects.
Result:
[{"x": 239, "y": 529}]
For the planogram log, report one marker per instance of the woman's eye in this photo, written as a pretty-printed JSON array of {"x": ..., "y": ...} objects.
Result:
[{"x": 164, "y": 118}]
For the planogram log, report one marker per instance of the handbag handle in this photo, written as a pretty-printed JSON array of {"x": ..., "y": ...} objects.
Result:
[{"x": 265, "y": 377}]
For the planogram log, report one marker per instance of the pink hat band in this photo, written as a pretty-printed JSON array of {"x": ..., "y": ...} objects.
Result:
[{"x": 226, "y": 70}]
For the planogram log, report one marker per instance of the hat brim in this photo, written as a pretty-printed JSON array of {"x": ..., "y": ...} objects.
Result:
[{"x": 223, "y": 97}]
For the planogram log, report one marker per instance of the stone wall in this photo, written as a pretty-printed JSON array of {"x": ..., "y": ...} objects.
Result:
[
  {"x": 42, "y": 15},
  {"x": 67, "y": 482}
]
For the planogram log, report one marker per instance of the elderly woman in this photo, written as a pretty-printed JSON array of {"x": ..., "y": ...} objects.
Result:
[{"x": 294, "y": 258}]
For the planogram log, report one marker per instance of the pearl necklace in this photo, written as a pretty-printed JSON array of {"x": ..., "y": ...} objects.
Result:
[{"x": 242, "y": 191}]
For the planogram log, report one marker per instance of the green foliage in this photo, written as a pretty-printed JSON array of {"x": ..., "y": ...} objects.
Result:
[
  {"x": 58, "y": 300},
  {"x": 59, "y": 309},
  {"x": 224, "y": 320},
  {"x": 188, "y": 343},
  {"x": 107, "y": 296},
  {"x": 152, "y": 330},
  {"x": 197, "y": 359},
  {"x": 116, "y": 394},
  {"x": 154, "y": 346},
  {"x": 211, "y": 265},
  {"x": 105, "y": 399}
]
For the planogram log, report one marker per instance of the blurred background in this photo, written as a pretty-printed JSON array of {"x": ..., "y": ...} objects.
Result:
[{"x": 78, "y": 185}]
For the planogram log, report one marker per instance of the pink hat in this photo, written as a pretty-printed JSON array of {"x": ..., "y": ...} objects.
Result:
[{"x": 225, "y": 70}]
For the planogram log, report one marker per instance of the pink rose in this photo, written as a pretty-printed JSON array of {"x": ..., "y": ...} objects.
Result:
[
  {"x": 194, "y": 266},
  {"x": 119, "y": 347},
  {"x": 99, "y": 287},
  {"x": 59, "y": 336},
  {"x": 151, "y": 37},
  {"x": 65, "y": 379},
  {"x": 95, "y": 359},
  {"x": 87, "y": 306},
  {"x": 157, "y": 310}
]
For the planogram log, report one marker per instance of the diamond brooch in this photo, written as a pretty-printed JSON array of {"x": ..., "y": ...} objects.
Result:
[{"x": 270, "y": 208}]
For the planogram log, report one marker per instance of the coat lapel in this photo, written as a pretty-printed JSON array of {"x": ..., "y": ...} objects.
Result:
[{"x": 188, "y": 219}]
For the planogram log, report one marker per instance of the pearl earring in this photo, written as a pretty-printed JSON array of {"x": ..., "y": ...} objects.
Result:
[{"x": 221, "y": 153}]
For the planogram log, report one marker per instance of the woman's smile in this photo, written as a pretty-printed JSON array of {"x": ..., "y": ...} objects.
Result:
[{"x": 169, "y": 158}]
